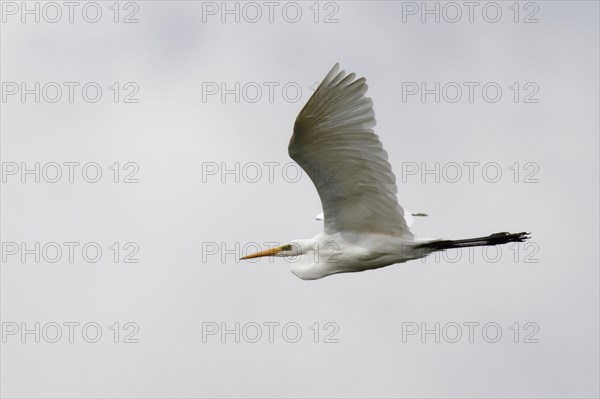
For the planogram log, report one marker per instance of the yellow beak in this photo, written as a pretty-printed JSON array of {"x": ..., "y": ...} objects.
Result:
[{"x": 267, "y": 252}]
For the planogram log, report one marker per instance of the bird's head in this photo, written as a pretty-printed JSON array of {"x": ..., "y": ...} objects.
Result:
[{"x": 292, "y": 248}]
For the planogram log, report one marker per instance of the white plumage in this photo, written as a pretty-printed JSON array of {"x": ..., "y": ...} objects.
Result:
[
  {"x": 334, "y": 143},
  {"x": 364, "y": 226}
]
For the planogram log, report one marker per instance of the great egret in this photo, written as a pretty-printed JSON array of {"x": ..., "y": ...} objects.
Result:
[{"x": 365, "y": 227}]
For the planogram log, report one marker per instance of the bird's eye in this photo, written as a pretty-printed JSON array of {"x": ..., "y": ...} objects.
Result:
[{"x": 287, "y": 247}]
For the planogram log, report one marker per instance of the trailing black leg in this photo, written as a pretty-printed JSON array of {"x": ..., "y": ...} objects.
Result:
[{"x": 492, "y": 239}]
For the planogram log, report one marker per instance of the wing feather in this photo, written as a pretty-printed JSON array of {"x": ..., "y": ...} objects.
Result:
[{"x": 335, "y": 144}]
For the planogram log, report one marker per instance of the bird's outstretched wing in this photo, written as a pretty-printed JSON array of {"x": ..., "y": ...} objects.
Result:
[{"x": 334, "y": 143}]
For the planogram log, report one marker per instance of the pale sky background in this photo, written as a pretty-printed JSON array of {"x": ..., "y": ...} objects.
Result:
[{"x": 174, "y": 215}]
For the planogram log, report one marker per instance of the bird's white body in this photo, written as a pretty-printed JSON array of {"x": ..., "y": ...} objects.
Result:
[
  {"x": 344, "y": 252},
  {"x": 364, "y": 225}
]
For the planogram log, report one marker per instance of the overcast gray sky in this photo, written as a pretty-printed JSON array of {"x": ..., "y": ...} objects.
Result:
[{"x": 490, "y": 119}]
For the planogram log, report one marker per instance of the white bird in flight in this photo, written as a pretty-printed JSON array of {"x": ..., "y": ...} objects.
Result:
[{"x": 365, "y": 227}]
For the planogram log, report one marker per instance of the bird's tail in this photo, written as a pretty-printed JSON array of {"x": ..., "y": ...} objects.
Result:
[{"x": 492, "y": 239}]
